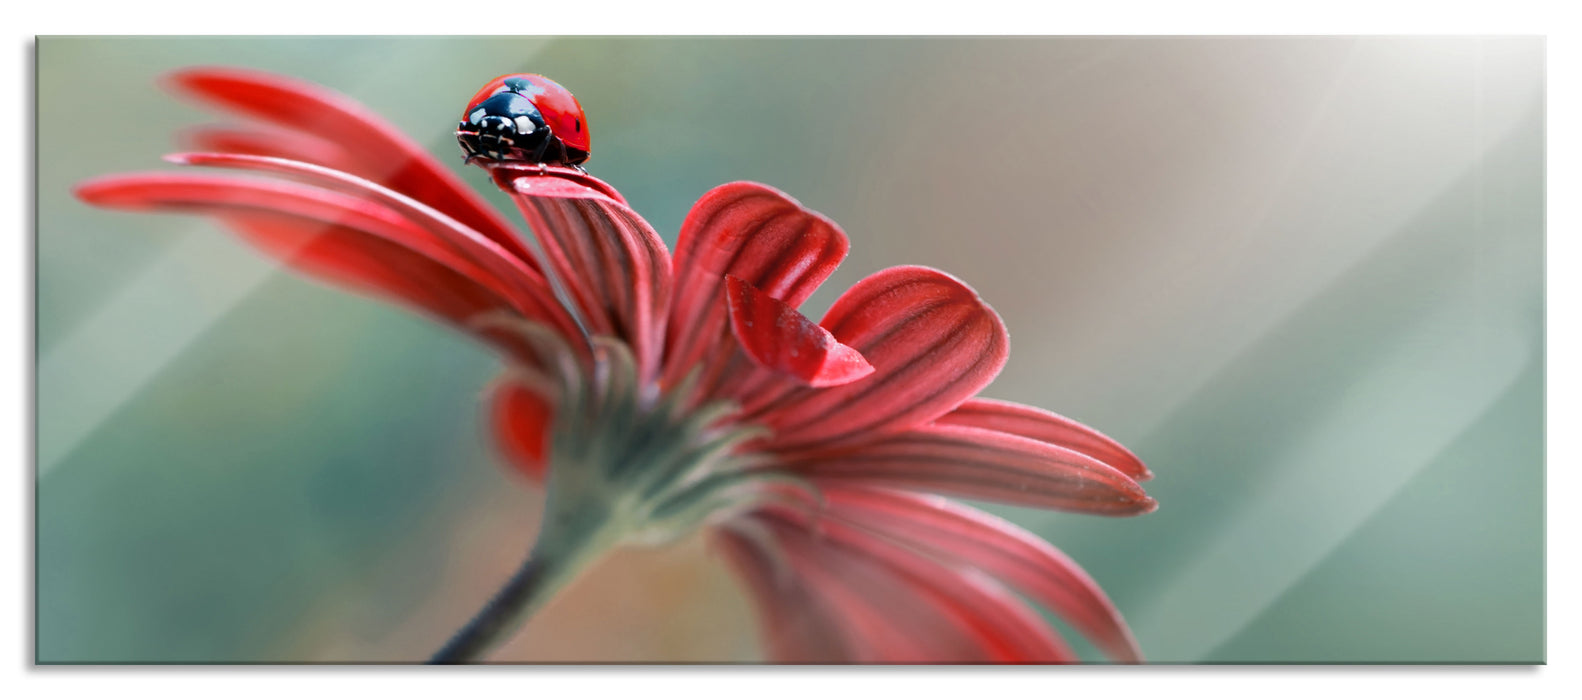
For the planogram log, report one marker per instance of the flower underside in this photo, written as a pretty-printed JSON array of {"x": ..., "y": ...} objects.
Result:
[
  {"x": 639, "y": 463},
  {"x": 655, "y": 394}
]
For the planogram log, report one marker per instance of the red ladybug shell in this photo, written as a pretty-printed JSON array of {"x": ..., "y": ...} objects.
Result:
[{"x": 561, "y": 110}]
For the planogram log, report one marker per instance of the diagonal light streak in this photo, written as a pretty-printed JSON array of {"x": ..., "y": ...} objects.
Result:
[
  {"x": 1397, "y": 418},
  {"x": 1165, "y": 407},
  {"x": 138, "y": 331},
  {"x": 1394, "y": 420},
  {"x": 130, "y": 338},
  {"x": 1322, "y": 137}
]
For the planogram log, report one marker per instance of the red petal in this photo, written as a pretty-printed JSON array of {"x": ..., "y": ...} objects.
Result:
[
  {"x": 378, "y": 151},
  {"x": 1000, "y": 549},
  {"x": 932, "y": 342},
  {"x": 277, "y": 143},
  {"x": 377, "y": 267},
  {"x": 976, "y": 463},
  {"x": 778, "y": 337},
  {"x": 797, "y": 626},
  {"x": 902, "y": 607},
  {"x": 1009, "y": 631},
  {"x": 757, "y": 234},
  {"x": 226, "y": 195},
  {"x": 553, "y": 181},
  {"x": 880, "y": 618},
  {"x": 612, "y": 263},
  {"x": 521, "y": 420},
  {"x": 489, "y": 263},
  {"x": 1044, "y": 426},
  {"x": 878, "y": 628},
  {"x": 347, "y": 241}
]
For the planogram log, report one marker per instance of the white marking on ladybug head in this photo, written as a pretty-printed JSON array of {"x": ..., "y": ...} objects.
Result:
[
  {"x": 524, "y": 125},
  {"x": 477, "y": 115}
]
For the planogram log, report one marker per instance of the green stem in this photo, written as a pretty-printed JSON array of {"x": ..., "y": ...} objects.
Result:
[{"x": 544, "y": 573}]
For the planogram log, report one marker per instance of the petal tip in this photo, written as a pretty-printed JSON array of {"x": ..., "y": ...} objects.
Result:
[
  {"x": 197, "y": 81},
  {"x": 180, "y": 80},
  {"x": 842, "y": 365},
  {"x": 87, "y": 190},
  {"x": 105, "y": 191}
]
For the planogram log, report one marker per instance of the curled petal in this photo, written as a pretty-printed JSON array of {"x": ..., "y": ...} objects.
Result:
[
  {"x": 1045, "y": 426},
  {"x": 932, "y": 342},
  {"x": 754, "y": 233},
  {"x": 779, "y": 338},
  {"x": 986, "y": 464},
  {"x": 614, "y": 267},
  {"x": 1001, "y": 549},
  {"x": 521, "y": 420},
  {"x": 375, "y": 149}
]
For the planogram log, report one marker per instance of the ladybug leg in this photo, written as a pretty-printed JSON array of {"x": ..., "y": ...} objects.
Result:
[{"x": 542, "y": 149}]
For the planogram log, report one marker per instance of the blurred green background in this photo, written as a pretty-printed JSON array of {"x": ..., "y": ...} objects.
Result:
[{"x": 1301, "y": 277}]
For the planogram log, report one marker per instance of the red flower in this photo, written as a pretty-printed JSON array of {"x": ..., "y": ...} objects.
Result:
[{"x": 671, "y": 394}]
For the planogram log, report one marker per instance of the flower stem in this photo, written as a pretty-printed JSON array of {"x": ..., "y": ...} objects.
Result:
[{"x": 544, "y": 572}]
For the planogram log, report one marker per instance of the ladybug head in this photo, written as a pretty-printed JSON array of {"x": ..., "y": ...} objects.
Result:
[{"x": 518, "y": 118}]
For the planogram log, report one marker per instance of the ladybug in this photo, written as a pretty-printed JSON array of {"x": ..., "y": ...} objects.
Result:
[{"x": 524, "y": 118}]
